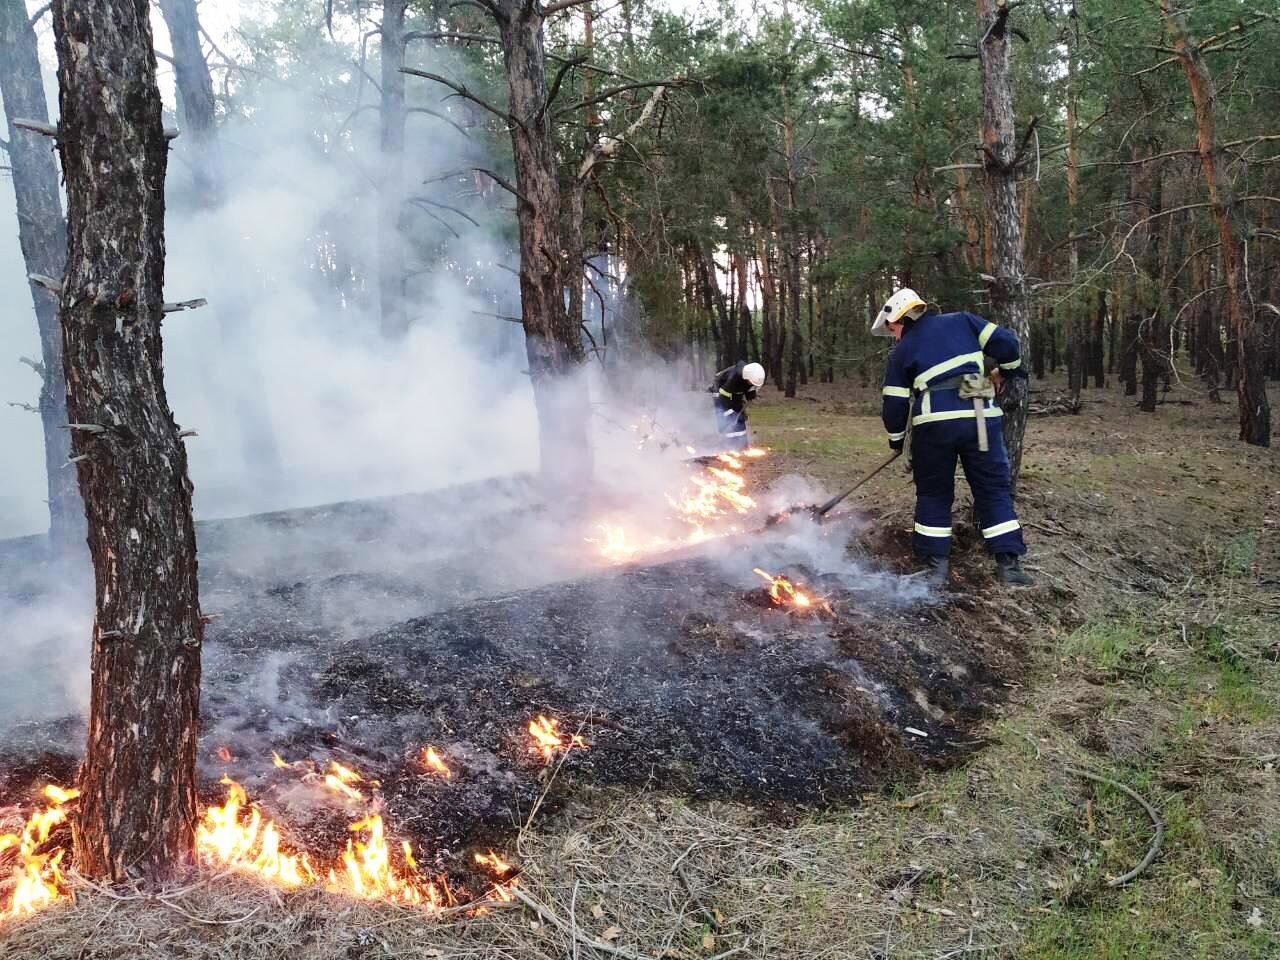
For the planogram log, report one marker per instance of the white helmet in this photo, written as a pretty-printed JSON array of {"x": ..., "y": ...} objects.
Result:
[
  {"x": 904, "y": 302},
  {"x": 753, "y": 373}
]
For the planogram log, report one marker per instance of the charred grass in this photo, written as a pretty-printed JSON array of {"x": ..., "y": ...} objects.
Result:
[{"x": 1155, "y": 649}]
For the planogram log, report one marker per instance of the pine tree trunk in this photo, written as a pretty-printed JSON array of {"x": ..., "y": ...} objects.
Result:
[
  {"x": 43, "y": 238},
  {"x": 391, "y": 272},
  {"x": 553, "y": 344},
  {"x": 1251, "y": 386},
  {"x": 138, "y": 805},
  {"x": 1009, "y": 290},
  {"x": 201, "y": 151},
  {"x": 1097, "y": 336},
  {"x": 195, "y": 94}
]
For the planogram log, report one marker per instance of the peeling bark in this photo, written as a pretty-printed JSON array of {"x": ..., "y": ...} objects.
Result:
[
  {"x": 43, "y": 238},
  {"x": 138, "y": 808}
]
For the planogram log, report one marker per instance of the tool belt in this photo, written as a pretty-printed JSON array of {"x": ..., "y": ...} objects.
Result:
[{"x": 976, "y": 387}]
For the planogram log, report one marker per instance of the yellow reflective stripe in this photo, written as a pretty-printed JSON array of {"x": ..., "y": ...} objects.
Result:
[
  {"x": 922, "y": 381},
  {"x": 1011, "y": 366},
  {"x": 926, "y": 404},
  {"x": 898, "y": 436},
  {"x": 986, "y": 333},
  {"x": 725, "y": 393},
  {"x": 932, "y": 531},
  {"x": 1007, "y": 527},
  {"x": 904, "y": 392},
  {"x": 954, "y": 415}
]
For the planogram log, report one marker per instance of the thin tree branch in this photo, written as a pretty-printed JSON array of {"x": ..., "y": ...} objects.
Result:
[
  {"x": 463, "y": 92},
  {"x": 40, "y": 12},
  {"x": 504, "y": 184},
  {"x": 445, "y": 206},
  {"x": 561, "y": 5},
  {"x": 449, "y": 35},
  {"x": 440, "y": 116},
  {"x": 614, "y": 91},
  {"x": 554, "y": 91}
]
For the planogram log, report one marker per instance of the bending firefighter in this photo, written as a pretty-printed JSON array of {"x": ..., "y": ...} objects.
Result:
[
  {"x": 937, "y": 378},
  {"x": 733, "y": 387}
]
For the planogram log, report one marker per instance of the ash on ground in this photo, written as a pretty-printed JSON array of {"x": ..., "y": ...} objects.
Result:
[{"x": 346, "y": 633}]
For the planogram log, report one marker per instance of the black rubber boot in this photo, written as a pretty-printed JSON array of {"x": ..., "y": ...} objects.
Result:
[
  {"x": 1009, "y": 570},
  {"x": 936, "y": 570}
]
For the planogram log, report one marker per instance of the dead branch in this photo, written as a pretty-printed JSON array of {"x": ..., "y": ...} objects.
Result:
[
  {"x": 24, "y": 406},
  {"x": 36, "y": 126},
  {"x": 51, "y": 129},
  {"x": 181, "y": 305},
  {"x": 35, "y": 365},
  {"x": 444, "y": 206},
  {"x": 614, "y": 91},
  {"x": 486, "y": 6},
  {"x": 554, "y": 91},
  {"x": 1156, "y": 822},
  {"x": 561, "y": 5},
  {"x": 497, "y": 316},
  {"x": 40, "y": 12},
  {"x": 460, "y": 90},
  {"x": 440, "y": 116},
  {"x": 421, "y": 205},
  {"x": 503, "y": 183},
  {"x": 607, "y": 147},
  {"x": 48, "y": 283},
  {"x": 450, "y": 35}
]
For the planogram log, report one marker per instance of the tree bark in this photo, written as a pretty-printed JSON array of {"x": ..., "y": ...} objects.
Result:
[
  {"x": 391, "y": 272},
  {"x": 1009, "y": 290},
  {"x": 195, "y": 94},
  {"x": 553, "y": 344},
  {"x": 43, "y": 238},
  {"x": 138, "y": 806},
  {"x": 1251, "y": 386}
]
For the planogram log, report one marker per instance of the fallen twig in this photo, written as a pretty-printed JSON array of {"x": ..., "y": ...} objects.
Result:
[
  {"x": 679, "y": 871},
  {"x": 1156, "y": 822},
  {"x": 545, "y": 913}
]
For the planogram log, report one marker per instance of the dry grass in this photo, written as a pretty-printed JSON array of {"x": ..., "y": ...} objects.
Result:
[{"x": 1156, "y": 666}]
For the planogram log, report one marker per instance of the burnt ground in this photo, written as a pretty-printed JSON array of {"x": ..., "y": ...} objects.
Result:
[
  {"x": 360, "y": 633},
  {"x": 1148, "y": 653}
]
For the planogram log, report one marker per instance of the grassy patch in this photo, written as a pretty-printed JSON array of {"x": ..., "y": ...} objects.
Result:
[{"x": 1107, "y": 642}]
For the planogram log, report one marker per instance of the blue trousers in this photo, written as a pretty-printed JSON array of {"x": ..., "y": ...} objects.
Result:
[
  {"x": 732, "y": 426},
  {"x": 935, "y": 447}
]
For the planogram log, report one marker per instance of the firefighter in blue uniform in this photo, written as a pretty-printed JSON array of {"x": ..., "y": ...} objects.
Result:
[
  {"x": 937, "y": 378},
  {"x": 733, "y": 387}
]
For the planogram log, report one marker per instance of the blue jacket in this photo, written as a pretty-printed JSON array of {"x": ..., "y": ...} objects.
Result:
[{"x": 934, "y": 348}]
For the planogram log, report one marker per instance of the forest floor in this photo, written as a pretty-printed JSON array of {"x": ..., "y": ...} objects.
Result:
[{"x": 1153, "y": 638}]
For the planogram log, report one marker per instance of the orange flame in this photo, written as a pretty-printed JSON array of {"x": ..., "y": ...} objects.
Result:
[
  {"x": 715, "y": 495},
  {"x": 37, "y": 876},
  {"x": 224, "y": 754},
  {"x": 430, "y": 758},
  {"x": 782, "y": 591},
  {"x": 547, "y": 738},
  {"x": 493, "y": 862},
  {"x": 340, "y": 778},
  {"x": 278, "y": 761},
  {"x": 237, "y": 835}
]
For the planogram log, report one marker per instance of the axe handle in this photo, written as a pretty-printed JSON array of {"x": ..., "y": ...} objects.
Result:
[{"x": 834, "y": 501}]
